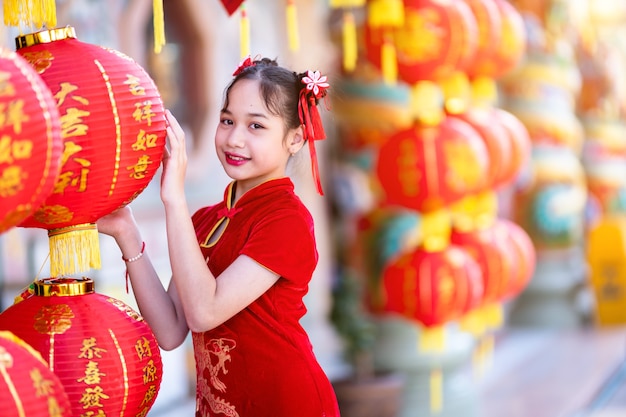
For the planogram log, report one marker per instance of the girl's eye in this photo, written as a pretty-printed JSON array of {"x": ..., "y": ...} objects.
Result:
[
  {"x": 256, "y": 126},
  {"x": 226, "y": 121}
]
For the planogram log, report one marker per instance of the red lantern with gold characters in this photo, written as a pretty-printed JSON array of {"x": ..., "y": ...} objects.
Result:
[
  {"x": 30, "y": 140},
  {"x": 436, "y": 38},
  {"x": 28, "y": 388},
  {"x": 113, "y": 129},
  {"x": 427, "y": 167},
  {"x": 103, "y": 351}
]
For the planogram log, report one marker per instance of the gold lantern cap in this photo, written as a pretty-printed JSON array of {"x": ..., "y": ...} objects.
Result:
[
  {"x": 49, "y": 287},
  {"x": 45, "y": 36}
]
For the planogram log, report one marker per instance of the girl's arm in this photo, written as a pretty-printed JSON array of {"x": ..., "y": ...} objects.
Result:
[
  {"x": 160, "y": 308},
  {"x": 207, "y": 302}
]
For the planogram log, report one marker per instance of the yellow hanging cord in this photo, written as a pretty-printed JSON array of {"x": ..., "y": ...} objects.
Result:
[
  {"x": 244, "y": 33},
  {"x": 292, "y": 26},
  {"x": 349, "y": 41},
  {"x": 30, "y": 12},
  {"x": 436, "y": 390},
  {"x": 158, "y": 21}
]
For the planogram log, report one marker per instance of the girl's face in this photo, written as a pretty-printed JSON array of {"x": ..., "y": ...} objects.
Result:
[{"x": 251, "y": 142}]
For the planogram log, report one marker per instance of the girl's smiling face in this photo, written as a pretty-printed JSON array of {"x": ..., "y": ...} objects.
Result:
[{"x": 252, "y": 143}]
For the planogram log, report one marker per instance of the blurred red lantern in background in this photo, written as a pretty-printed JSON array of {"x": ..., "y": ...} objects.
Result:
[
  {"x": 489, "y": 22},
  {"x": 524, "y": 252},
  {"x": 103, "y": 352},
  {"x": 512, "y": 46},
  {"x": 497, "y": 142},
  {"x": 27, "y": 387},
  {"x": 431, "y": 287},
  {"x": 436, "y": 39},
  {"x": 427, "y": 167},
  {"x": 520, "y": 141},
  {"x": 30, "y": 140},
  {"x": 113, "y": 130},
  {"x": 496, "y": 257}
]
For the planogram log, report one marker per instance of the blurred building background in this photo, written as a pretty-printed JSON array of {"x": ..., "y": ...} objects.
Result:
[{"x": 411, "y": 196}]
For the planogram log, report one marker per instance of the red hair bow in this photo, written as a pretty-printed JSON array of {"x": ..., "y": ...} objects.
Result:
[
  {"x": 248, "y": 62},
  {"x": 315, "y": 86}
]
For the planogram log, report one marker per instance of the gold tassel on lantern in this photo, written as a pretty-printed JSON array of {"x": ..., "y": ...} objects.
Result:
[
  {"x": 385, "y": 13},
  {"x": 74, "y": 249},
  {"x": 244, "y": 33},
  {"x": 349, "y": 42},
  {"x": 292, "y": 26},
  {"x": 389, "y": 60},
  {"x": 158, "y": 21},
  {"x": 349, "y": 32},
  {"x": 29, "y": 12}
]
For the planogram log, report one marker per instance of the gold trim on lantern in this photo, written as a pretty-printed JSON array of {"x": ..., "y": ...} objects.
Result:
[
  {"x": 44, "y": 36},
  {"x": 49, "y": 287}
]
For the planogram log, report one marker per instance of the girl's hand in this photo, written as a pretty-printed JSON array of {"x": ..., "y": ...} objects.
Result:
[
  {"x": 174, "y": 163},
  {"x": 117, "y": 223}
]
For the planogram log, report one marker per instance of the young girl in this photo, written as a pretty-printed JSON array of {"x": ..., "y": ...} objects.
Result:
[{"x": 240, "y": 268}]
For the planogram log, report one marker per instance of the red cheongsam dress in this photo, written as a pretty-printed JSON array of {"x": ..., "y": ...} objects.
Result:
[{"x": 260, "y": 363}]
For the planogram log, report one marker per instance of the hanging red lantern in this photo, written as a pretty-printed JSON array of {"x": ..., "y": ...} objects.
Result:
[
  {"x": 497, "y": 142},
  {"x": 431, "y": 287},
  {"x": 28, "y": 388},
  {"x": 520, "y": 142},
  {"x": 427, "y": 167},
  {"x": 435, "y": 39},
  {"x": 489, "y": 22},
  {"x": 108, "y": 367},
  {"x": 30, "y": 140},
  {"x": 512, "y": 46},
  {"x": 495, "y": 257},
  {"x": 113, "y": 130},
  {"x": 510, "y": 233}
]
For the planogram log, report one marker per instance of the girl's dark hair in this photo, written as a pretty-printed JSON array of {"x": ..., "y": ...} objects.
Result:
[{"x": 280, "y": 88}]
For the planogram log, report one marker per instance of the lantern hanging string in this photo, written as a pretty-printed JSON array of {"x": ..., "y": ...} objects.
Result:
[
  {"x": 158, "y": 21},
  {"x": 29, "y": 13}
]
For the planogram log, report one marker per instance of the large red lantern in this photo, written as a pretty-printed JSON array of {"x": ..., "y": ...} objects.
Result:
[
  {"x": 30, "y": 140},
  {"x": 103, "y": 352},
  {"x": 431, "y": 287},
  {"x": 438, "y": 36},
  {"x": 427, "y": 167},
  {"x": 113, "y": 130},
  {"x": 28, "y": 388}
]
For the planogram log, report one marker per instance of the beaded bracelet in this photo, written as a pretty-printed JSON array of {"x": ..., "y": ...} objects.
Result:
[
  {"x": 133, "y": 259},
  {"x": 136, "y": 257}
]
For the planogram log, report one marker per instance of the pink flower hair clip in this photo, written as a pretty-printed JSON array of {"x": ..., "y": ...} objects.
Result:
[
  {"x": 248, "y": 62},
  {"x": 316, "y": 83}
]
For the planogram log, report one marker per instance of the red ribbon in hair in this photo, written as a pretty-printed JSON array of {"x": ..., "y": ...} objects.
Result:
[{"x": 315, "y": 88}]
